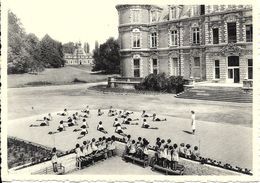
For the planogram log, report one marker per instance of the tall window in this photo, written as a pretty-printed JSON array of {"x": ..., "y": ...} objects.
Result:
[
  {"x": 135, "y": 15},
  {"x": 232, "y": 32},
  {"x": 195, "y": 36},
  {"x": 136, "y": 39},
  {"x": 249, "y": 33},
  {"x": 174, "y": 36},
  {"x": 136, "y": 67},
  {"x": 217, "y": 73},
  {"x": 250, "y": 68},
  {"x": 155, "y": 66},
  {"x": 175, "y": 67},
  {"x": 153, "y": 39},
  {"x": 215, "y": 36},
  {"x": 202, "y": 9},
  {"x": 196, "y": 68}
]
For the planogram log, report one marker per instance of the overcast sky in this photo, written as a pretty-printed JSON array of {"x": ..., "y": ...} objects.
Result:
[{"x": 68, "y": 20}]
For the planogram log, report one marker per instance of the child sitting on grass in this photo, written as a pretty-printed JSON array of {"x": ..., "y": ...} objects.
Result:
[
  {"x": 83, "y": 132},
  {"x": 144, "y": 115},
  {"x": 119, "y": 130},
  {"x": 157, "y": 119},
  {"x": 49, "y": 118},
  {"x": 86, "y": 110},
  {"x": 111, "y": 112},
  {"x": 100, "y": 113},
  {"x": 44, "y": 123},
  {"x": 116, "y": 123},
  {"x": 101, "y": 128},
  {"x": 127, "y": 121},
  {"x": 65, "y": 113},
  {"x": 145, "y": 125}
]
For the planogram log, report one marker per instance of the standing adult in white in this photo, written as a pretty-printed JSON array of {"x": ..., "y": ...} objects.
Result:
[{"x": 193, "y": 122}]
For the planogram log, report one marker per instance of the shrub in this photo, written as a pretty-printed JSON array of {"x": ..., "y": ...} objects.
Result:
[{"x": 159, "y": 82}]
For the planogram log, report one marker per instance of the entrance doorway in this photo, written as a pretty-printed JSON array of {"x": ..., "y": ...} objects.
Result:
[{"x": 233, "y": 69}]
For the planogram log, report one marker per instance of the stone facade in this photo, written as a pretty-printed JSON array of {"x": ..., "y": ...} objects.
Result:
[
  {"x": 212, "y": 43},
  {"x": 79, "y": 57}
]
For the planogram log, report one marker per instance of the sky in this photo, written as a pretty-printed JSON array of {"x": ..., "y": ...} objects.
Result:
[{"x": 68, "y": 20}]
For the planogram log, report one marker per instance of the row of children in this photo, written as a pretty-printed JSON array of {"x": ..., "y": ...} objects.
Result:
[
  {"x": 94, "y": 150},
  {"x": 138, "y": 149},
  {"x": 167, "y": 154}
]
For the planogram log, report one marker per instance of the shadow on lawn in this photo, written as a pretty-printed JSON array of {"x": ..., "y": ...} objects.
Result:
[{"x": 188, "y": 132}]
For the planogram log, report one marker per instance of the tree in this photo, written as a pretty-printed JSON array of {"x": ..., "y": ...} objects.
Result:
[
  {"x": 31, "y": 45},
  {"x": 16, "y": 36},
  {"x": 107, "y": 57},
  {"x": 51, "y": 52},
  {"x": 69, "y": 47}
]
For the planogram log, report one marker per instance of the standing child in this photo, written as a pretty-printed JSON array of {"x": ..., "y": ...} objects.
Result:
[
  {"x": 54, "y": 160},
  {"x": 175, "y": 156},
  {"x": 193, "y": 122}
]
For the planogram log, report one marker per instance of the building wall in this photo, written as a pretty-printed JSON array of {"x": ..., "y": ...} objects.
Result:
[{"x": 186, "y": 50}]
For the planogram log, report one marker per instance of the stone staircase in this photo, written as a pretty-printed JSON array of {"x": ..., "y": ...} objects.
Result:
[{"x": 217, "y": 93}]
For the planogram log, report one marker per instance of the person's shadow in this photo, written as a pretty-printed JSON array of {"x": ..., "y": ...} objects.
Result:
[{"x": 188, "y": 132}]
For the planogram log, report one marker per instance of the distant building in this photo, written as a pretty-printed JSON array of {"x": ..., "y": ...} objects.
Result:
[
  {"x": 79, "y": 57},
  {"x": 203, "y": 42}
]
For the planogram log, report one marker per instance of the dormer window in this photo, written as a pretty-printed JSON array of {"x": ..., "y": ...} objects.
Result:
[
  {"x": 154, "y": 16},
  {"x": 135, "y": 16},
  {"x": 173, "y": 12}
]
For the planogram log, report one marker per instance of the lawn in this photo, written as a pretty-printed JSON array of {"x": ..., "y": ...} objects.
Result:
[{"x": 60, "y": 76}]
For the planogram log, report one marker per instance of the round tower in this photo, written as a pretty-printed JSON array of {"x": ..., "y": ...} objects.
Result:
[{"x": 134, "y": 29}]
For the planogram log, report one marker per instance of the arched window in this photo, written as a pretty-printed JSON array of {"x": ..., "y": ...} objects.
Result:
[{"x": 136, "y": 38}]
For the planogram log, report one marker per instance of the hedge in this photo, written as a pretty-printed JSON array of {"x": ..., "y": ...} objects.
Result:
[{"x": 162, "y": 83}]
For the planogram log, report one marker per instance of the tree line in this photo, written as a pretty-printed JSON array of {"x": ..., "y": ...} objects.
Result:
[{"x": 26, "y": 53}]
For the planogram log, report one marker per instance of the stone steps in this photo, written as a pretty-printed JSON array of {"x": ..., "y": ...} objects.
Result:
[{"x": 226, "y": 94}]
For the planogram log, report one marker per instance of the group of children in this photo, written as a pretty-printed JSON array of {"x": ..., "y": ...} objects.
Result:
[
  {"x": 167, "y": 154},
  {"x": 94, "y": 150},
  {"x": 138, "y": 149}
]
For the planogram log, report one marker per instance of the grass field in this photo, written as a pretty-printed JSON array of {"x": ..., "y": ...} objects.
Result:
[{"x": 60, "y": 76}]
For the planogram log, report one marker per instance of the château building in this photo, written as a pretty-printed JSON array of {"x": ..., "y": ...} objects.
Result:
[
  {"x": 204, "y": 42},
  {"x": 79, "y": 57}
]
